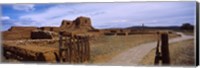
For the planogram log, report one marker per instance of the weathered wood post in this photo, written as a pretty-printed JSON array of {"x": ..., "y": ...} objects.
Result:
[
  {"x": 70, "y": 50},
  {"x": 84, "y": 48},
  {"x": 78, "y": 49},
  {"x": 88, "y": 48},
  {"x": 81, "y": 49},
  {"x": 73, "y": 48},
  {"x": 157, "y": 54},
  {"x": 165, "y": 49},
  {"x": 60, "y": 46}
]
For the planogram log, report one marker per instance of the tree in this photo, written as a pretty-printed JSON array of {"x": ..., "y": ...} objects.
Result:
[{"x": 187, "y": 26}]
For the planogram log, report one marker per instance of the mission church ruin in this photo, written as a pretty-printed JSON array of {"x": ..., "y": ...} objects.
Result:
[{"x": 79, "y": 25}]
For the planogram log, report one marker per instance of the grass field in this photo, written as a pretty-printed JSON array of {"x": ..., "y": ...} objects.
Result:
[
  {"x": 181, "y": 54},
  {"x": 105, "y": 47}
]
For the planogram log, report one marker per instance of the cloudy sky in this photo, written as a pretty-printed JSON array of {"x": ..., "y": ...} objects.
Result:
[{"x": 103, "y": 15}]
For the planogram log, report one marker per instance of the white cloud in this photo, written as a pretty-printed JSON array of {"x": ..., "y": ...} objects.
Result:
[
  {"x": 54, "y": 15},
  {"x": 5, "y": 18},
  {"x": 119, "y": 21},
  {"x": 104, "y": 15},
  {"x": 24, "y": 7}
]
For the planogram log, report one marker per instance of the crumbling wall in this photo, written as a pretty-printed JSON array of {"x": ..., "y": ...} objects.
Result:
[
  {"x": 55, "y": 29},
  {"x": 16, "y": 35},
  {"x": 41, "y": 34},
  {"x": 95, "y": 30},
  {"x": 83, "y": 23},
  {"x": 79, "y": 24},
  {"x": 22, "y": 28},
  {"x": 30, "y": 53},
  {"x": 66, "y": 24},
  {"x": 17, "y": 32}
]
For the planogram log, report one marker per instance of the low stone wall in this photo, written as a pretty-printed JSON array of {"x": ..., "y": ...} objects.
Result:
[
  {"x": 28, "y": 55},
  {"x": 55, "y": 29},
  {"x": 41, "y": 35},
  {"x": 22, "y": 28},
  {"x": 109, "y": 34},
  {"x": 122, "y": 34},
  {"x": 29, "y": 52},
  {"x": 16, "y": 35}
]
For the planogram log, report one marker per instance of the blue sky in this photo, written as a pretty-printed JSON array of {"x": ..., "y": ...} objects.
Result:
[{"x": 103, "y": 15}]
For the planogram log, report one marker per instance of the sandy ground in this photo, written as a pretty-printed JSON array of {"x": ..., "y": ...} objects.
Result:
[{"x": 134, "y": 55}]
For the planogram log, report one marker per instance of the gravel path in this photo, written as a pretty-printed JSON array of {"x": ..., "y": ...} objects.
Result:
[{"x": 135, "y": 55}]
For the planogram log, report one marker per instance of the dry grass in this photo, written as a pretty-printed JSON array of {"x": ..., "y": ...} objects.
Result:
[
  {"x": 188, "y": 32},
  {"x": 103, "y": 48},
  {"x": 181, "y": 53},
  {"x": 106, "y": 47}
]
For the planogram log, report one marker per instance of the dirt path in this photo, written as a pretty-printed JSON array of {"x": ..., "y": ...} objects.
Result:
[{"x": 135, "y": 55}]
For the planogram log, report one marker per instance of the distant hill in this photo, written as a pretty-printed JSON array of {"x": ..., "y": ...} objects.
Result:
[{"x": 155, "y": 27}]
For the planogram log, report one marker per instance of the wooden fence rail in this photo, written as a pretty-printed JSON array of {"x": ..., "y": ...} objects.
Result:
[{"x": 73, "y": 48}]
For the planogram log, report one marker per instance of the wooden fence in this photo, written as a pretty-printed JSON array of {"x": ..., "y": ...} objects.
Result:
[{"x": 73, "y": 48}]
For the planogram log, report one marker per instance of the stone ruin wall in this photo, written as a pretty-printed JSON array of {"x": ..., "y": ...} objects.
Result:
[
  {"x": 31, "y": 50},
  {"x": 54, "y": 29},
  {"x": 79, "y": 25},
  {"x": 17, "y": 32},
  {"x": 21, "y": 28},
  {"x": 125, "y": 32}
]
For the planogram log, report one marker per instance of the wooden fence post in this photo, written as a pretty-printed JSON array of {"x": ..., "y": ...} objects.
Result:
[
  {"x": 84, "y": 49},
  {"x": 81, "y": 48},
  {"x": 73, "y": 48},
  {"x": 88, "y": 48},
  {"x": 60, "y": 45},
  {"x": 157, "y": 54},
  {"x": 70, "y": 50},
  {"x": 165, "y": 49},
  {"x": 78, "y": 49}
]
